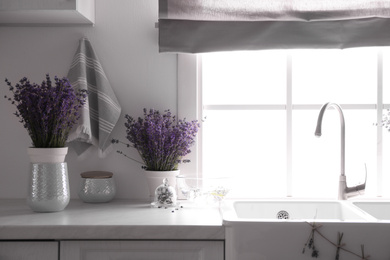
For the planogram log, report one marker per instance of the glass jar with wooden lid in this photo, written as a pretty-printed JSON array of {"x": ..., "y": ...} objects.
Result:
[{"x": 97, "y": 187}]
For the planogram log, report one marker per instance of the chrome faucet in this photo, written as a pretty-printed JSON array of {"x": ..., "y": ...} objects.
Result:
[{"x": 345, "y": 192}]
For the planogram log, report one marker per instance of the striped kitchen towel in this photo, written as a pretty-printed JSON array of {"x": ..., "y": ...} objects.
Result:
[{"x": 101, "y": 111}]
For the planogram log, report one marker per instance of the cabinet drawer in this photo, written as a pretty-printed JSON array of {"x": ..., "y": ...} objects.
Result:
[
  {"x": 142, "y": 250},
  {"x": 14, "y": 250}
]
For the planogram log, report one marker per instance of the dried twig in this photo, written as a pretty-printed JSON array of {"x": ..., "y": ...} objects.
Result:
[
  {"x": 310, "y": 242},
  {"x": 339, "y": 246}
]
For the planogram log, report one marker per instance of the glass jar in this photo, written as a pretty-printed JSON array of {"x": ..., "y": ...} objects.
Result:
[
  {"x": 165, "y": 195},
  {"x": 97, "y": 187}
]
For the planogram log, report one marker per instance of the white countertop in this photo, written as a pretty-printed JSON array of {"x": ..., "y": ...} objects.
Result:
[{"x": 118, "y": 219}]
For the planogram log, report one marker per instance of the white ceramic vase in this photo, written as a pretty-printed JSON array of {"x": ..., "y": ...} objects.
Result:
[
  {"x": 47, "y": 155},
  {"x": 155, "y": 179}
]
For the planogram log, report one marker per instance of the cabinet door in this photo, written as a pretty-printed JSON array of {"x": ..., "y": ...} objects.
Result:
[
  {"x": 48, "y": 12},
  {"x": 142, "y": 250},
  {"x": 14, "y": 250}
]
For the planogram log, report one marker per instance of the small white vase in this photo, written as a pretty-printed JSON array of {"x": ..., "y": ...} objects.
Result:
[
  {"x": 47, "y": 155},
  {"x": 155, "y": 179}
]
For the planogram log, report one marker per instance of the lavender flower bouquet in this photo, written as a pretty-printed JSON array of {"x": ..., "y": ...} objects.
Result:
[
  {"x": 160, "y": 139},
  {"x": 47, "y": 111}
]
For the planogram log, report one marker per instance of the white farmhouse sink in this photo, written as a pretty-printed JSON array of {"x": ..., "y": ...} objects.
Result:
[
  {"x": 293, "y": 210},
  {"x": 378, "y": 209},
  {"x": 253, "y": 230}
]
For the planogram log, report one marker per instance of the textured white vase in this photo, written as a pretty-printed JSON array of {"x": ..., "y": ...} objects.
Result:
[
  {"x": 47, "y": 155},
  {"x": 48, "y": 189},
  {"x": 155, "y": 179}
]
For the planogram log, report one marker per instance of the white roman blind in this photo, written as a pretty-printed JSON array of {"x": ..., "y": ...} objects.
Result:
[{"x": 197, "y": 26}]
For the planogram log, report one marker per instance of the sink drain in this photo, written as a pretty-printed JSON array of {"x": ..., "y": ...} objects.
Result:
[{"x": 282, "y": 215}]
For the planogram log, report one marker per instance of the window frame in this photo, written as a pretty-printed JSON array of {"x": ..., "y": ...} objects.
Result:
[{"x": 190, "y": 105}]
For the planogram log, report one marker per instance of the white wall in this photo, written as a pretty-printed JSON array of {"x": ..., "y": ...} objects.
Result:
[{"x": 126, "y": 42}]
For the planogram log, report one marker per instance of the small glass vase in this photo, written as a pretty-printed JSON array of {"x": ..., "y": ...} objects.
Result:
[
  {"x": 48, "y": 189},
  {"x": 165, "y": 195},
  {"x": 155, "y": 179}
]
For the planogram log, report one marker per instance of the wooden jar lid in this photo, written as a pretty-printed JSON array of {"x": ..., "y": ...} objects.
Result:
[{"x": 96, "y": 175}]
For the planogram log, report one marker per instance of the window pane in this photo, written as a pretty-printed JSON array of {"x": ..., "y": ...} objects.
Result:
[
  {"x": 341, "y": 76},
  {"x": 244, "y": 78},
  {"x": 386, "y": 163},
  {"x": 385, "y": 182},
  {"x": 317, "y": 166},
  {"x": 386, "y": 75},
  {"x": 248, "y": 146}
]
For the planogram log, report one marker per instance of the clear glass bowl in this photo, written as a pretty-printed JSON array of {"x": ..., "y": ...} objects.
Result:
[{"x": 202, "y": 190}]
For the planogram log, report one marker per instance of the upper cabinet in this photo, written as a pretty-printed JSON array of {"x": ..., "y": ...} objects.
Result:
[{"x": 47, "y": 12}]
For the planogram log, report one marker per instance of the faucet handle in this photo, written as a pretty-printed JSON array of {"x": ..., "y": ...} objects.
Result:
[
  {"x": 365, "y": 179},
  {"x": 358, "y": 189}
]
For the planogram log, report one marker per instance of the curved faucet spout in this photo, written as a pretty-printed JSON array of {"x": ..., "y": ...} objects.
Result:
[
  {"x": 344, "y": 191},
  {"x": 318, "y": 131}
]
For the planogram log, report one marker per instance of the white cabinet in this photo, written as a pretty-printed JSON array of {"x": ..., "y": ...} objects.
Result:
[
  {"x": 142, "y": 250},
  {"x": 112, "y": 250},
  {"x": 47, "y": 12},
  {"x": 14, "y": 250}
]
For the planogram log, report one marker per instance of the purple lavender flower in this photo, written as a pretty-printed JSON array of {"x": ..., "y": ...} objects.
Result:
[
  {"x": 160, "y": 139},
  {"x": 47, "y": 111}
]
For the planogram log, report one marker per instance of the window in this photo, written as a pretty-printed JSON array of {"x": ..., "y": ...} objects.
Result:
[{"x": 261, "y": 111}]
